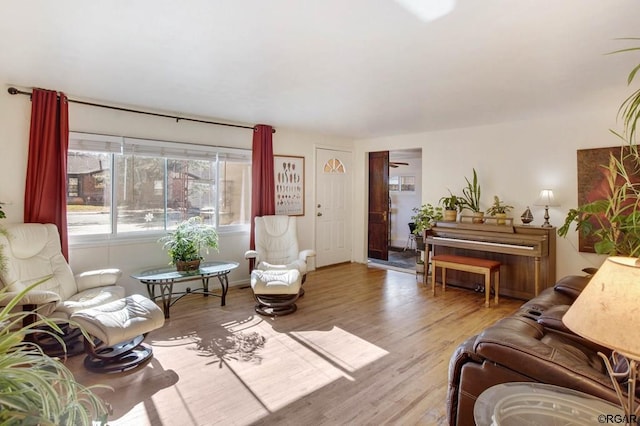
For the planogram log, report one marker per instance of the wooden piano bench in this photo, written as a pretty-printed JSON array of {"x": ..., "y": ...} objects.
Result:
[{"x": 467, "y": 264}]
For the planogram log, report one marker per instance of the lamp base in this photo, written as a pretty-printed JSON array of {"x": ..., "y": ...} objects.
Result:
[
  {"x": 546, "y": 223},
  {"x": 628, "y": 403}
]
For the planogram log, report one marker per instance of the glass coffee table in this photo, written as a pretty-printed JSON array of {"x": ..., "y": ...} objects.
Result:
[
  {"x": 529, "y": 403},
  {"x": 165, "y": 278}
]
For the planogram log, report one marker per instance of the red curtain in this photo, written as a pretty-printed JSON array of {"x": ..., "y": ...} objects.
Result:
[
  {"x": 262, "y": 184},
  {"x": 45, "y": 198}
]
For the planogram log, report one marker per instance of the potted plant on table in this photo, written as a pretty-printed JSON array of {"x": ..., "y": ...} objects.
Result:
[
  {"x": 425, "y": 217},
  {"x": 499, "y": 210},
  {"x": 184, "y": 245},
  {"x": 451, "y": 205},
  {"x": 471, "y": 198}
]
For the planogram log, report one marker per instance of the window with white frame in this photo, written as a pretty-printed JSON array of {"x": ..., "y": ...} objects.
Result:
[{"x": 118, "y": 186}]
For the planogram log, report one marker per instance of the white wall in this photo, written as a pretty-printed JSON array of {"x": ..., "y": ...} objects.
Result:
[
  {"x": 133, "y": 255},
  {"x": 514, "y": 160}
]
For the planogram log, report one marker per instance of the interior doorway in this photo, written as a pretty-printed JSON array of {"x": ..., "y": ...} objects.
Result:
[{"x": 403, "y": 193}]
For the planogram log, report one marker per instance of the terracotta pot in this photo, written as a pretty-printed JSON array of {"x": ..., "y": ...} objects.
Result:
[
  {"x": 450, "y": 216},
  {"x": 187, "y": 266},
  {"x": 478, "y": 217}
]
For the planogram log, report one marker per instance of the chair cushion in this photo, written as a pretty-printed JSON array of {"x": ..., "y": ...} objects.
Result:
[
  {"x": 121, "y": 320},
  {"x": 299, "y": 265},
  {"x": 276, "y": 281}
]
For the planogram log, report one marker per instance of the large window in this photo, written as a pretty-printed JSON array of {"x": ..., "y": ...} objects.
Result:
[{"x": 119, "y": 186}]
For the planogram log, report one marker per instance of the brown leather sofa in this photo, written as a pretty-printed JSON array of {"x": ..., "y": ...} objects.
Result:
[{"x": 532, "y": 345}]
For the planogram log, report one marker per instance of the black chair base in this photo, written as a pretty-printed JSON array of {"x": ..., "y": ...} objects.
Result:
[
  {"x": 118, "y": 358},
  {"x": 72, "y": 338},
  {"x": 274, "y": 305}
]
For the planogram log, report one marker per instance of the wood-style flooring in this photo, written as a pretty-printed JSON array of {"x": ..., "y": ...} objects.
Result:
[{"x": 367, "y": 346}]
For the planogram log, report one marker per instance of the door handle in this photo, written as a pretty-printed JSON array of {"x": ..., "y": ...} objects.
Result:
[
  {"x": 318, "y": 214},
  {"x": 384, "y": 216}
]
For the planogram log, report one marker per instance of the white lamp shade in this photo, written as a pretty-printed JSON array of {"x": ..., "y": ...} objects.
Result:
[
  {"x": 546, "y": 198},
  {"x": 606, "y": 312}
]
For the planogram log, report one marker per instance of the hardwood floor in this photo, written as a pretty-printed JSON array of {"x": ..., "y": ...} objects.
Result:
[{"x": 366, "y": 346}]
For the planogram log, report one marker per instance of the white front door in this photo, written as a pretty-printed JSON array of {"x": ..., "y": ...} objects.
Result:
[{"x": 333, "y": 206}]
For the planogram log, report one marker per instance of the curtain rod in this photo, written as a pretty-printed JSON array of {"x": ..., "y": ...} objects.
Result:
[{"x": 14, "y": 91}]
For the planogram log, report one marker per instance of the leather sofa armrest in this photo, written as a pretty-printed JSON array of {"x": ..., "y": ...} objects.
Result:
[
  {"x": 251, "y": 254},
  {"x": 304, "y": 254},
  {"x": 97, "y": 278},
  {"x": 525, "y": 346}
]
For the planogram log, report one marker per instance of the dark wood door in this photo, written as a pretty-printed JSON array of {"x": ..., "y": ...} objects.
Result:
[{"x": 379, "y": 205}]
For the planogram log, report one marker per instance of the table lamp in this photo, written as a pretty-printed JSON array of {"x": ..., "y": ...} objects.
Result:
[
  {"x": 546, "y": 199},
  {"x": 606, "y": 312}
]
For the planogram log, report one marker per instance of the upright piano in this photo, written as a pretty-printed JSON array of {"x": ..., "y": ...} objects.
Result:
[{"x": 527, "y": 254}]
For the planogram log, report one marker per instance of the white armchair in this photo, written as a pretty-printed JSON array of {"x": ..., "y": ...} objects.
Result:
[
  {"x": 280, "y": 267},
  {"x": 276, "y": 239},
  {"x": 32, "y": 252}
]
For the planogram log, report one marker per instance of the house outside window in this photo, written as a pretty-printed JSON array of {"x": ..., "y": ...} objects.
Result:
[{"x": 123, "y": 186}]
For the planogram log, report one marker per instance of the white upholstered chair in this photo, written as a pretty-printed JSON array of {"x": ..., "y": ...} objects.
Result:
[
  {"x": 32, "y": 252},
  {"x": 276, "y": 255},
  {"x": 276, "y": 239}
]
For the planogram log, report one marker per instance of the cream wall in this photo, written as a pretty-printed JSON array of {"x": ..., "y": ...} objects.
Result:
[
  {"x": 514, "y": 160},
  {"x": 132, "y": 255}
]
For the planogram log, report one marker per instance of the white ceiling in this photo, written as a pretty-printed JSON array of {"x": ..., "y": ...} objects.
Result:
[{"x": 356, "y": 68}]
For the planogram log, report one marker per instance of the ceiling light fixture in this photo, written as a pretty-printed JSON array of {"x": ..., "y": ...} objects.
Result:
[{"x": 428, "y": 10}]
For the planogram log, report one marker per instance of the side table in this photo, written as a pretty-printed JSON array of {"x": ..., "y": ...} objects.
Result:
[{"x": 529, "y": 403}]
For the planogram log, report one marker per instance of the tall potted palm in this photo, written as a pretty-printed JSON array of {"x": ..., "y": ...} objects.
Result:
[{"x": 615, "y": 220}]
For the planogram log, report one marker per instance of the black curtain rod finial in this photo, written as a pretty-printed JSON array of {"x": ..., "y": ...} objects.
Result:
[{"x": 12, "y": 91}]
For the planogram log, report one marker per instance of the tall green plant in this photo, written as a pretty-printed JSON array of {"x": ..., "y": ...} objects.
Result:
[
  {"x": 615, "y": 220},
  {"x": 36, "y": 389},
  {"x": 629, "y": 111},
  {"x": 471, "y": 193}
]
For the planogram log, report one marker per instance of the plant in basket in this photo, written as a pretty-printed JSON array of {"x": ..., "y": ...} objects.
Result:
[{"x": 184, "y": 245}]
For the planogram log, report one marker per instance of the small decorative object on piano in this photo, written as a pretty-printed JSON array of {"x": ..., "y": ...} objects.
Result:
[{"x": 527, "y": 216}]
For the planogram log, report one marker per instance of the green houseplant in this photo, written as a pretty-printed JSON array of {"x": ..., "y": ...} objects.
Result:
[
  {"x": 185, "y": 244},
  {"x": 471, "y": 197},
  {"x": 499, "y": 210},
  {"x": 614, "y": 220},
  {"x": 36, "y": 389},
  {"x": 425, "y": 217},
  {"x": 451, "y": 205}
]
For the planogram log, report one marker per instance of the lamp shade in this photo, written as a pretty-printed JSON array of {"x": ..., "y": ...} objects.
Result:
[
  {"x": 606, "y": 312},
  {"x": 546, "y": 198}
]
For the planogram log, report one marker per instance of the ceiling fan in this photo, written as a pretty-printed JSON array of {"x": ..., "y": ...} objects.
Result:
[{"x": 395, "y": 164}]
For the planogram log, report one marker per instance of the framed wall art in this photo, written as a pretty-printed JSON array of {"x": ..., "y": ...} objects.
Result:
[{"x": 289, "y": 180}]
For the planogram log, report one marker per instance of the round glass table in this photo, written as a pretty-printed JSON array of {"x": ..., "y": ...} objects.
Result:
[{"x": 528, "y": 403}]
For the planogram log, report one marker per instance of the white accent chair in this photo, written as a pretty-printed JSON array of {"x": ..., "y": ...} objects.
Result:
[
  {"x": 32, "y": 253},
  {"x": 276, "y": 240}
]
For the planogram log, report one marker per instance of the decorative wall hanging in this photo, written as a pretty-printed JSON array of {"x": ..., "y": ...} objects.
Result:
[
  {"x": 593, "y": 183},
  {"x": 289, "y": 181}
]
